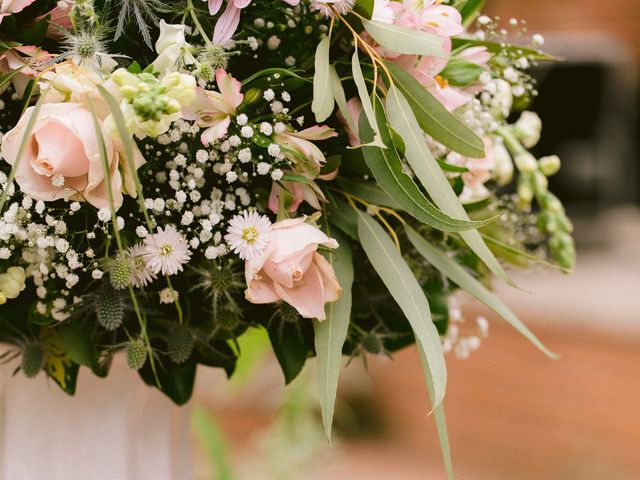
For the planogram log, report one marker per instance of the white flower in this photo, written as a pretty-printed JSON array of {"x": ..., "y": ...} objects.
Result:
[
  {"x": 166, "y": 251},
  {"x": 273, "y": 149},
  {"x": 277, "y": 174},
  {"x": 168, "y": 295},
  {"x": 141, "y": 274},
  {"x": 248, "y": 234},
  {"x": 104, "y": 214},
  {"x": 172, "y": 47},
  {"x": 97, "y": 274}
]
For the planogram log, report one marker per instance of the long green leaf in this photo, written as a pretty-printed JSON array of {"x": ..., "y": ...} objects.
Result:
[
  {"x": 331, "y": 333},
  {"x": 405, "y": 40},
  {"x": 432, "y": 177},
  {"x": 342, "y": 216},
  {"x": 510, "y": 50},
  {"x": 387, "y": 168},
  {"x": 127, "y": 141},
  {"x": 462, "y": 278},
  {"x": 434, "y": 118},
  {"x": 322, "y": 104},
  {"x": 470, "y": 11},
  {"x": 404, "y": 288},
  {"x": 340, "y": 98},
  {"x": 363, "y": 94},
  {"x": 369, "y": 192},
  {"x": 439, "y": 416}
]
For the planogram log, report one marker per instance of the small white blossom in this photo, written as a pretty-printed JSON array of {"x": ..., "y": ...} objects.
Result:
[
  {"x": 104, "y": 214},
  {"x": 248, "y": 234},
  {"x": 168, "y": 295}
]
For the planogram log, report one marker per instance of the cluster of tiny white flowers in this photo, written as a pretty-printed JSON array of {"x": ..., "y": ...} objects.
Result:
[{"x": 461, "y": 338}]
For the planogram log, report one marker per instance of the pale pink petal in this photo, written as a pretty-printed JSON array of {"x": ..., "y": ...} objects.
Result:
[{"x": 307, "y": 297}]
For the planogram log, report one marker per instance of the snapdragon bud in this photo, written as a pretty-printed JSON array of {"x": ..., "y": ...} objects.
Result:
[
  {"x": 526, "y": 162},
  {"x": 527, "y": 129},
  {"x": 525, "y": 190},
  {"x": 12, "y": 283},
  {"x": 503, "y": 165},
  {"x": 549, "y": 165}
]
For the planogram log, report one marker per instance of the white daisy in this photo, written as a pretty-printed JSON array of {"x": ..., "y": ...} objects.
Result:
[
  {"x": 166, "y": 251},
  {"x": 248, "y": 234},
  {"x": 141, "y": 274}
]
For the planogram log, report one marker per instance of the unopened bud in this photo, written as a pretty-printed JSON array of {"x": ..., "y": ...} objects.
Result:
[{"x": 549, "y": 165}]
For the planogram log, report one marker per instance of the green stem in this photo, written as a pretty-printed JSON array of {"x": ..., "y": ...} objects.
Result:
[{"x": 196, "y": 22}]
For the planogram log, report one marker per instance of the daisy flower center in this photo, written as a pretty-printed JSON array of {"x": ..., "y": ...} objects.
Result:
[
  {"x": 250, "y": 235},
  {"x": 166, "y": 250}
]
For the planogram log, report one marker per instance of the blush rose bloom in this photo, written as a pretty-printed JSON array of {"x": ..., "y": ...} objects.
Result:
[
  {"x": 62, "y": 157},
  {"x": 291, "y": 270}
]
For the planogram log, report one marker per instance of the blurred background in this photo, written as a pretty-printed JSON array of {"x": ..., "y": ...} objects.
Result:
[{"x": 512, "y": 413}]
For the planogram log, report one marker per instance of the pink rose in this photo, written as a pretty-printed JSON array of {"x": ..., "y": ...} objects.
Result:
[
  {"x": 7, "y": 7},
  {"x": 62, "y": 157},
  {"x": 291, "y": 269}
]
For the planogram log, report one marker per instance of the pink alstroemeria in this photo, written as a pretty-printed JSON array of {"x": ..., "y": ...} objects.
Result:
[
  {"x": 298, "y": 147},
  {"x": 292, "y": 194},
  {"x": 7, "y": 7},
  {"x": 213, "y": 110},
  {"x": 228, "y": 22},
  {"x": 28, "y": 59}
]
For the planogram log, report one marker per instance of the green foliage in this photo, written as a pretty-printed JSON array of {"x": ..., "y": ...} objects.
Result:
[
  {"x": 331, "y": 333},
  {"x": 404, "y": 288}
]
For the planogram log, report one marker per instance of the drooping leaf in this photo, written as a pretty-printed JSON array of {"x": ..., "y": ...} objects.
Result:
[
  {"x": 331, "y": 333},
  {"x": 77, "y": 343},
  {"x": 175, "y": 381},
  {"x": 58, "y": 363},
  {"x": 434, "y": 118},
  {"x": 405, "y": 290},
  {"x": 405, "y": 40},
  {"x": 365, "y": 99},
  {"x": 439, "y": 417},
  {"x": 323, "y": 103},
  {"x": 464, "y": 280},
  {"x": 510, "y": 50},
  {"x": 340, "y": 98},
  {"x": 291, "y": 352},
  {"x": 433, "y": 178},
  {"x": 387, "y": 168}
]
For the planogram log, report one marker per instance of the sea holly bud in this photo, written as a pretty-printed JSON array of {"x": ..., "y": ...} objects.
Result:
[
  {"x": 180, "y": 345},
  {"x": 109, "y": 308},
  {"x": 33, "y": 358},
  {"x": 136, "y": 354}
]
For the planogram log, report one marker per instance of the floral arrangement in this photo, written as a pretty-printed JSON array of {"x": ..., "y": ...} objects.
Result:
[{"x": 334, "y": 171}]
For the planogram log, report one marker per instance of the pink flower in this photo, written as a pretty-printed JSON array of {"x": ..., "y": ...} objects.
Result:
[
  {"x": 213, "y": 110},
  {"x": 29, "y": 59},
  {"x": 291, "y": 269},
  {"x": 62, "y": 158},
  {"x": 7, "y": 7},
  {"x": 354, "y": 109},
  {"x": 298, "y": 148},
  {"x": 293, "y": 194},
  {"x": 228, "y": 22}
]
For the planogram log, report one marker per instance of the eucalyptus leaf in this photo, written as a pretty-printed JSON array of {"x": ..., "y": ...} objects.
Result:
[
  {"x": 340, "y": 98},
  {"x": 452, "y": 270},
  {"x": 322, "y": 104},
  {"x": 342, "y": 216},
  {"x": 369, "y": 192},
  {"x": 461, "y": 73},
  {"x": 365, "y": 99},
  {"x": 503, "y": 49},
  {"x": 331, "y": 333},
  {"x": 439, "y": 416},
  {"x": 406, "y": 291},
  {"x": 434, "y": 118},
  {"x": 432, "y": 177},
  {"x": 405, "y": 40},
  {"x": 387, "y": 168},
  {"x": 470, "y": 11}
]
